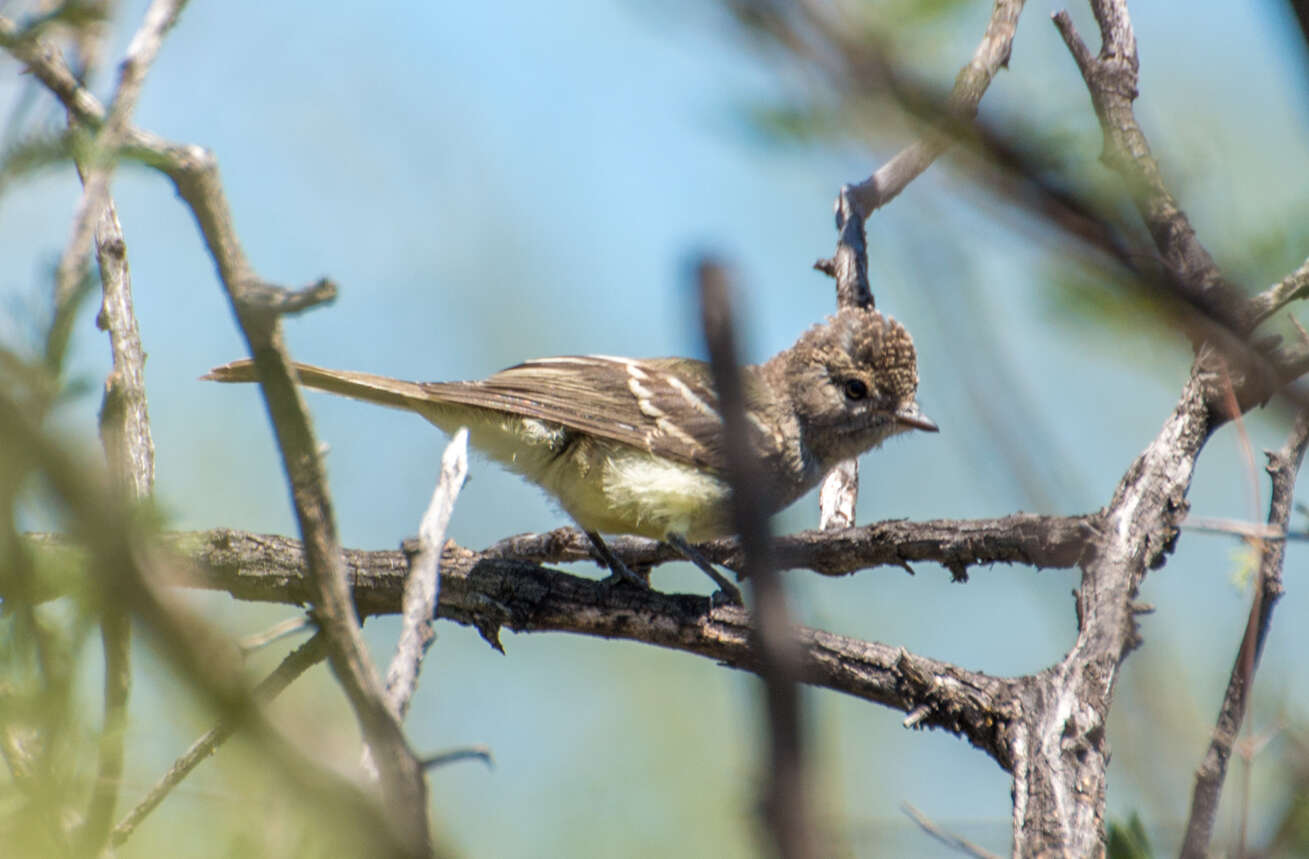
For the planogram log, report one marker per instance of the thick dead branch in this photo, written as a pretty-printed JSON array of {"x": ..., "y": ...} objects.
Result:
[
  {"x": 1056, "y": 542},
  {"x": 1060, "y": 771},
  {"x": 491, "y": 594}
]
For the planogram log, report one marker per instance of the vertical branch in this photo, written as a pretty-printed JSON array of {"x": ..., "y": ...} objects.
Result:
[
  {"x": 129, "y": 449},
  {"x": 849, "y": 265},
  {"x": 124, "y": 419},
  {"x": 423, "y": 587},
  {"x": 141, "y": 53},
  {"x": 1283, "y": 466},
  {"x": 423, "y": 584},
  {"x": 786, "y": 807},
  {"x": 839, "y": 492}
]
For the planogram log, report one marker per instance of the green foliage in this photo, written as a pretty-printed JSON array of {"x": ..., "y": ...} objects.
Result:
[
  {"x": 1128, "y": 841},
  {"x": 31, "y": 154}
]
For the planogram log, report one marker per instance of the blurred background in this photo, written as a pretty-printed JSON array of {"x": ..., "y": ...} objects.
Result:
[{"x": 490, "y": 182}]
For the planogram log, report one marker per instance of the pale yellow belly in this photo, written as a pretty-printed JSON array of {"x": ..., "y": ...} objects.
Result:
[{"x": 605, "y": 486}]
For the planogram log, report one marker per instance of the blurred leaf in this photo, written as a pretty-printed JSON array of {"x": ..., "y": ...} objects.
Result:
[
  {"x": 797, "y": 123},
  {"x": 1080, "y": 295},
  {"x": 32, "y": 154},
  {"x": 1129, "y": 841}
]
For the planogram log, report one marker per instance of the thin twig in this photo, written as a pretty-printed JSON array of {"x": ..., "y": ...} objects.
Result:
[
  {"x": 276, "y": 632},
  {"x": 786, "y": 804},
  {"x": 992, "y": 54},
  {"x": 440, "y": 759},
  {"x": 949, "y": 839},
  {"x": 1237, "y": 527},
  {"x": 423, "y": 586},
  {"x": 291, "y": 667},
  {"x": 1290, "y": 288},
  {"x": 1283, "y": 466}
]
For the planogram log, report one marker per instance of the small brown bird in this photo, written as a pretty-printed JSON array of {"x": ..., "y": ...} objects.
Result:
[{"x": 634, "y": 445}]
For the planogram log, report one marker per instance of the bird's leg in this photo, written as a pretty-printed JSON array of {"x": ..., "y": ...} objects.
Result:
[
  {"x": 618, "y": 570},
  {"x": 727, "y": 592}
]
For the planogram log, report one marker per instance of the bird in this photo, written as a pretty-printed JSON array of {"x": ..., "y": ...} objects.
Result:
[{"x": 635, "y": 445}]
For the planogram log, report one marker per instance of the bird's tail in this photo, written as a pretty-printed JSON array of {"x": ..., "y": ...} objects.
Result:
[{"x": 360, "y": 386}]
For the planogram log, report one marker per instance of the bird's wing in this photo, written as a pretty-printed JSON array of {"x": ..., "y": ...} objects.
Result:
[{"x": 666, "y": 406}]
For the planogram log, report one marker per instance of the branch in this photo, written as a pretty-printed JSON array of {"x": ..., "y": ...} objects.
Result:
[
  {"x": 124, "y": 419},
  {"x": 1054, "y": 542},
  {"x": 423, "y": 582},
  {"x": 1283, "y": 466},
  {"x": 849, "y": 265},
  {"x": 785, "y": 802},
  {"x": 992, "y": 54},
  {"x": 130, "y": 571},
  {"x": 292, "y": 666},
  {"x": 1111, "y": 79},
  {"x": 949, "y": 839},
  {"x": 1059, "y": 777},
  {"x": 491, "y": 593},
  {"x": 141, "y": 53},
  {"x": 1291, "y": 288},
  {"x": 194, "y": 171}
]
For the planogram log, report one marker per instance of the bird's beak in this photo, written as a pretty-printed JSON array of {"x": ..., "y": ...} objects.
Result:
[{"x": 910, "y": 416}]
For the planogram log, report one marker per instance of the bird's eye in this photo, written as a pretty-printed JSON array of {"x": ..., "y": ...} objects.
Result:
[{"x": 855, "y": 389}]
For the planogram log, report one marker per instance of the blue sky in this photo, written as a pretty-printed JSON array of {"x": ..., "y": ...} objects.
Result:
[{"x": 494, "y": 181}]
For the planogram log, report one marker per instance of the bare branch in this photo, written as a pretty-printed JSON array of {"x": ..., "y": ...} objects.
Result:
[
  {"x": 259, "y": 640},
  {"x": 949, "y": 839},
  {"x": 195, "y": 173},
  {"x": 1290, "y": 288},
  {"x": 849, "y": 265},
  {"x": 491, "y": 593},
  {"x": 837, "y": 497},
  {"x": 292, "y": 666},
  {"x": 992, "y": 54},
  {"x": 130, "y": 571},
  {"x": 1056, "y": 542},
  {"x": 124, "y": 419},
  {"x": 1111, "y": 79},
  {"x": 272, "y": 301},
  {"x": 124, "y": 415},
  {"x": 422, "y": 585},
  {"x": 141, "y": 53},
  {"x": 1283, "y": 466},
  {"x": 786, "y": 804}
]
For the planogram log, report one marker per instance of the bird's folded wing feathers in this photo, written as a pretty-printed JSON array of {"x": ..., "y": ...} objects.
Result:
[{"x": 664, "y": 406}]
